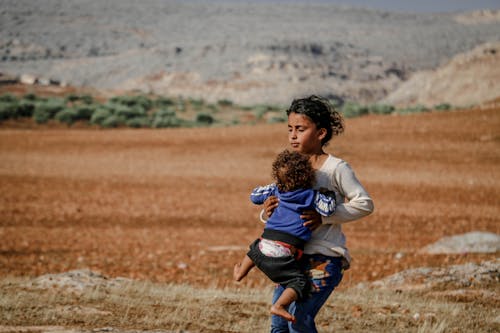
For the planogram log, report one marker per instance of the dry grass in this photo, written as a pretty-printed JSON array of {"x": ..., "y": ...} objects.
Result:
[{"x": 136, "y": 305}]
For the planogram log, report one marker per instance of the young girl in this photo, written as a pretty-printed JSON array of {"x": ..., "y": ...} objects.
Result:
[
  {"x": 284, "y": 236},
  {"x": 312, "y": 122}
]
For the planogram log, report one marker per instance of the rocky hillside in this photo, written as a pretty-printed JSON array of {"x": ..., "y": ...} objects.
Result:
[
  {"x": 264, "y": 52},
  {"x": 468, "y": 79}
]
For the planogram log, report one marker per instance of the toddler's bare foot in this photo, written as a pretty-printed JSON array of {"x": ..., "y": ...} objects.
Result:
[
  {"x": 281, "y": 311},
  {"x": 236, "y": 272}
]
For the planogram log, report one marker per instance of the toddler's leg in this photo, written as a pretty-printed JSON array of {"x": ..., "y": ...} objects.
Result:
[
  {"x": 241, "y": 269},
  {"x": 279, "y": 308}
]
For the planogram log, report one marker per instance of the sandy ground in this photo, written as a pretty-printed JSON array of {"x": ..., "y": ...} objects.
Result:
[{"x": 172, "y": 205}]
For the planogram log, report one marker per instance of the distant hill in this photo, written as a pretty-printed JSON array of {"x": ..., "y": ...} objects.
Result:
[
  {"x": 468, "y": 79},
  {"x": 250, "y": 53}
]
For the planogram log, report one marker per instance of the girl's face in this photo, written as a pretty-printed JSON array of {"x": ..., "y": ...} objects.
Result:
[{"x": 303, "y": 135}]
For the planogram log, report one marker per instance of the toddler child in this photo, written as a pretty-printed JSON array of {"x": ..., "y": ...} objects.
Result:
[{"x": 276, "y": 252}]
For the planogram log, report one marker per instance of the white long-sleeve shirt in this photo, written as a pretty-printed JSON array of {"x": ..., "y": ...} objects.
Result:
[{"x": 353, "y": 203}]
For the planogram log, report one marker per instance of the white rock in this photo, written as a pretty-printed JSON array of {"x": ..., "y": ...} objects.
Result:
[
  {"x": 44, "y": 81},
  {"x": 28, "y": 79},
  {"x": 472, "y": 242}
]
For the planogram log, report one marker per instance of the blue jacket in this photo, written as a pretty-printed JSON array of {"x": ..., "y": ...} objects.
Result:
[{"x": 286, "y": 217}]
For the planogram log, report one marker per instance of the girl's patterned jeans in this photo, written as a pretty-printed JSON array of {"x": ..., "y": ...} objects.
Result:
[{"x": 325, "y": 273}]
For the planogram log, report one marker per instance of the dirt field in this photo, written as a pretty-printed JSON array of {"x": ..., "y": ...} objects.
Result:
[{"x": 172, "y": 205}]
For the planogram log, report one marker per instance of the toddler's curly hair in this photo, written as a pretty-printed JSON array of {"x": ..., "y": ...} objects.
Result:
[{"x": 293, "y": 171}]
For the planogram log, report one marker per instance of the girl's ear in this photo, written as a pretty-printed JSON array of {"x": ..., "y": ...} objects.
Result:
[{"x": 322, "y": 133}]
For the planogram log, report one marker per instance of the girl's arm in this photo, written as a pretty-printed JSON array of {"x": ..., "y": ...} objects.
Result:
[{"x": 358, "y": 204}]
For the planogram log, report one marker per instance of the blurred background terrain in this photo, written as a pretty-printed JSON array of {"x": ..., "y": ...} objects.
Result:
[{"x": 255, "y": 52}]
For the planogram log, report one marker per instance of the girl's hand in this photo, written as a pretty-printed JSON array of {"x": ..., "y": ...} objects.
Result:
[
  {"x": 312, "y": 218},
  {"x": 270, "y": 205}
]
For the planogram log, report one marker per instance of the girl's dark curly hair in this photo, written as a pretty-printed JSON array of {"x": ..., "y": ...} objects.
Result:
[
  {"x": 292, "y": 171},
  {"x": 321, "y": 112}
]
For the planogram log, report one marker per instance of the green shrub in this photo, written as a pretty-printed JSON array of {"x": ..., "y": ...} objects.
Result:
[
  {"x": 67, "y": 116},
  {"x": 100, "y": 115},
  {"x": 133, "y": 101},
  {"x": 413, "y": 109},
  {"x": 225, "y": 102},
  {"x": 274, "y": 108},
  {"x": 51, "y": 105},
  {"x": 84, "y": 112},
  {"x": 16, "y": 109},
  {"x": 25, "y": 108},
  {"x": 213, "y": 108},
  {"x": 263, "y": 108},
  {"x": 30, "y": 97},
  {"x": 72, "y": 98},
  {"x": 197, "y": 104},
  {"x": 247, "y": 107},
  {"x": 41, "y": 116},
  {"x": 8, "y": 98},
  {"x": 7, "y": 110},
  {"x": 443, "y": 107},
  {"x": 85, "y": 99},
  {"x": 163, "y": 102},
  {"x": 381, "y": 109},
  {"x": 70, "y": 115},
  {"x": 165, "y": 118},
  {"x": 336, "y": 103},
  {"x": 204, "y": 118},
  {"x": 129, "y": 112},
  {"x": 138, "y": 122},
  {"x": 260, "y": 111},
  {"x": 159, "y": 122},
  {"x": 276, "y": 119},
  {"x": 181, "y": 105},
  {"x": 47, "y": 109},
  {"x": 125, "y": 111},
  {"x": 352, "y": 109},
  {"x": 165, "y": 113},
  {"x": 113, "y": 121}
]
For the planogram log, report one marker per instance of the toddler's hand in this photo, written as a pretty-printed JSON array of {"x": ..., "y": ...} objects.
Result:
[{"x": 270, "y": 205}]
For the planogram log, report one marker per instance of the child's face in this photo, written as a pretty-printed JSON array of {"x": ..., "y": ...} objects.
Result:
[{"x": 303, "y": 135}]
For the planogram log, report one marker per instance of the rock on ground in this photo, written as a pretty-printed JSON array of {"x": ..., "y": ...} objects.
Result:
[
  {"x": 74, "y": 281},
  {"x": 472, "y": 242},
  {"x": 455, "y": 276}
]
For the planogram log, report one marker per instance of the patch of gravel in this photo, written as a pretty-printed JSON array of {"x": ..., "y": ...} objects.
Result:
[
  {"x": 451, "y": 277},
  {"x": 76, "y": 281},
  {"x": 472, "y": 242}
]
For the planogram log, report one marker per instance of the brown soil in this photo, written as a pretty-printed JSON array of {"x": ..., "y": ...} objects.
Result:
[{"x": 172, "y": 205}]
